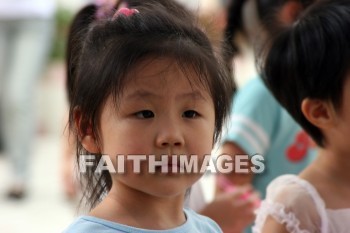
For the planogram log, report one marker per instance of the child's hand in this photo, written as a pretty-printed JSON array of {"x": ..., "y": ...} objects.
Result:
[
  {"x": 226, "y": 186},
  {"x": 234, "y": 210}
]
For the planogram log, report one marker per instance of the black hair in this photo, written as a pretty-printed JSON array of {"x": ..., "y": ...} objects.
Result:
[
  {"x": 88, "y": 15},
  {"x": 311, "y": 59},
  {"x": 78, "y": 29},
  {"x": 103, "y": 51},
  {"x": 234, "y": 24},
  {"x": 266, "y": 12}
]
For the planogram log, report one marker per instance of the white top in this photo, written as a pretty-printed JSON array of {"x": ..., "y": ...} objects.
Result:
[
  {"x": 23, "y": 9},
  {"x": 294, "y": 202}
]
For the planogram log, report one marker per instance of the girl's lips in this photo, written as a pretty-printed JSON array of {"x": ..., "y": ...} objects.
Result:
[{"x": 169, "y": 168}]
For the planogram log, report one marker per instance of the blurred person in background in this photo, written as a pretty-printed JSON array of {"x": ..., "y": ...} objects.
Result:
[
  {"x": 26, "y": 30},
  {"x": 259, "y": 125}
]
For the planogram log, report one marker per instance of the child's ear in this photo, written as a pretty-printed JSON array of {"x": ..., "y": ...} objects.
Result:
[
  {"x": 85, "y": 132},
  {"x": 319, "y": 113},
  {"x": 289, "y": 12}
]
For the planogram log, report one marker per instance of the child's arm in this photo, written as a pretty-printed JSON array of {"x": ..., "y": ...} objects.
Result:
[
  {"x": 291, "y": 206},
  {"x": 272, "y": 226}
]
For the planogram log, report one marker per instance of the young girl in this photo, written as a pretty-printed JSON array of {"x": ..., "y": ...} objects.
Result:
[
  {"x": 143, "y": 81},
  {"x": 308, "y": 71}
]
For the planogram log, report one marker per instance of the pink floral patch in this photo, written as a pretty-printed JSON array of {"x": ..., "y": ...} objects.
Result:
[{"x": 299, "y": 149}]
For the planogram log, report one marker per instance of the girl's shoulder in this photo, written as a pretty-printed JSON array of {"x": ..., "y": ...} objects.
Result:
[
  {"x": 195, "y": 224},
  {"x": 200, "y": 223},
  {"x": 254, "y": 88},
  {"x": 92, "y": 224},
  {"x": 294, "y": 202},
  {"x": 293, "y": 185},
  {"x": 254, "y": 98}
]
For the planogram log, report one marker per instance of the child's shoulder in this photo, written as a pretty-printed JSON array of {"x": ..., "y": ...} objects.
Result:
[
  {"x": 254, "y": 94},
  {"x": 294, "y": 202},
  {"x": 255, "y": 86},
  {"x": 85, "y": 224},
  {"x": 200, "y": 223},
  {"x": 291, "y": 189},
  {"x": 195, "y": 224}
]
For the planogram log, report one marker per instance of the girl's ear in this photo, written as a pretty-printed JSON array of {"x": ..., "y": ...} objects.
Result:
[
  {"x": 85, "y": 132},
  {"x": 289, "y": 12},
  {"x": 319, "y": 113}
]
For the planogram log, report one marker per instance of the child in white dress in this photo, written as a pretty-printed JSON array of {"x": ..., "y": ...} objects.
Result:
[{"x": 307, "y": 68}]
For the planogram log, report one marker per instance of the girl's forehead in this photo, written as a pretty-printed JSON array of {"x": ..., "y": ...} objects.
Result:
[
  {"x": 156, "y": 66},
  {"x": 160, "y": 80},
  {"x": 165, "y": 73}
]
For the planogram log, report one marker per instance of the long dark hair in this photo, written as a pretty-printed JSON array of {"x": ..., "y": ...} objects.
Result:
[{"x": 101, "y": 51}]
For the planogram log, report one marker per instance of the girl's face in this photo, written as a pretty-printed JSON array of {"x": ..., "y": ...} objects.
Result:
[{"x": 159, "y": 113}]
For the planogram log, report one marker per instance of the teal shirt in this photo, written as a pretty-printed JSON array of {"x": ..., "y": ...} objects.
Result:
[
  {"x": 195, "y": 223},
  {"x": 260, "y": 125}
]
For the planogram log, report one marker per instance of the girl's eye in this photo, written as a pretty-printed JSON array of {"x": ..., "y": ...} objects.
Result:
[
  {"x": 145, "y": 114},
  {"x": 190, "y": 114}
]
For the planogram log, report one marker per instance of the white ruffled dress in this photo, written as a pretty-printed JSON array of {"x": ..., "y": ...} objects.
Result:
[{"x": 294, "y": 202}]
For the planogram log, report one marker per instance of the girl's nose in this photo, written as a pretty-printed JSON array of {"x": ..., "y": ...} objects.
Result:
[{"x": 170, "y": 135}]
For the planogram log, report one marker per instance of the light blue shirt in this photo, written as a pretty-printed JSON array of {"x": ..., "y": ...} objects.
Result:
[{"x": 195, "y": 223}]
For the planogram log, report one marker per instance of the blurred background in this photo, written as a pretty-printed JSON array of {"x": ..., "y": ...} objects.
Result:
[{"x": 44, "y": 206}]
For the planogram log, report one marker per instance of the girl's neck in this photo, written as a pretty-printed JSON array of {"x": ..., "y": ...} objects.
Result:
[
  {"x": 335, "y": 166},
  {"x": 134, "y": 208},
  {"x": 330, "y": 175}
]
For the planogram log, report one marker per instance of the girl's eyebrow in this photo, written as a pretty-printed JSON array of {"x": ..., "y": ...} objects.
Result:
[
  {"x": 197, "y": 95},
  {"x": 143, "y": 94}
]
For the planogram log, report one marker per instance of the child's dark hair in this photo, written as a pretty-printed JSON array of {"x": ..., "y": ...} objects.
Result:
[
  {"x": 266, "y": 10},
  {"x": 103, "y": 51},
  {"x": 311, "y": 59},
  {"x": 89, "y": 15}
]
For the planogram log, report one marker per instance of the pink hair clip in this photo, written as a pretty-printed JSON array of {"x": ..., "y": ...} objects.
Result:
[{"x": 125, "y": 11}]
